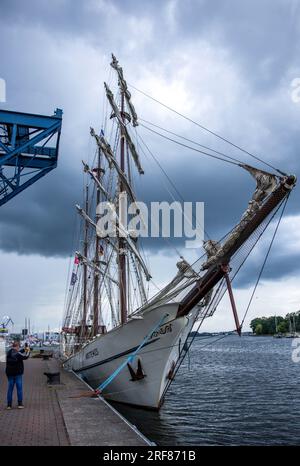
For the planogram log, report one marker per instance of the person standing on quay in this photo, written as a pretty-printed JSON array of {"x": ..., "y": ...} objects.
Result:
[{"x": 14, "y": 372}]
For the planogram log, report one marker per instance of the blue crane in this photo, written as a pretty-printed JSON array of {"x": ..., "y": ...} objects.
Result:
[
  {"x": 29, "y": 146},
  {"x": 5, "y": 321}
]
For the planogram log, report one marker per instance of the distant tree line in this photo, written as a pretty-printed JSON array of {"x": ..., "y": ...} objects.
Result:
[{"x": 267, "y": 325}]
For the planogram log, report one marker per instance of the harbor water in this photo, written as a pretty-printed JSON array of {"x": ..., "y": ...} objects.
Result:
[{"x": 230, "y": 391}]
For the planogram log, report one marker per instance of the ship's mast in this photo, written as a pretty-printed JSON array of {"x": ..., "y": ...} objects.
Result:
[
  {"x": 122, "y": 243},
  {"x": 85, "y": 251},
  {"x": 96, "y": 260}
]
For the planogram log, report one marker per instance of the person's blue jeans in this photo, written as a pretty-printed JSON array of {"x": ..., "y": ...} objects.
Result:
[{"x": 12, "y": 380}]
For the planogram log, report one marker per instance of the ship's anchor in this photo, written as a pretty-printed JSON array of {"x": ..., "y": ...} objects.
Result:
[
  {"x": 138, "y": 374},
  {"x": 171, "y": 373},
  {"x": 225, "y": 269}
]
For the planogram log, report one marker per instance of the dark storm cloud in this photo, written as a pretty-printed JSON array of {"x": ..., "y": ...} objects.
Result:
[
  {"x": 261, "y": 37},
  {"x": 41, "y": 220},
  {"x": 263, "y": 34},
  {"x": 260, "y": 33},
  {"x": 277, "y": 266}
]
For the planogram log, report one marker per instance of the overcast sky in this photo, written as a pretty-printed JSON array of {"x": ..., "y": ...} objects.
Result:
[{"x": 226, "y": 64}]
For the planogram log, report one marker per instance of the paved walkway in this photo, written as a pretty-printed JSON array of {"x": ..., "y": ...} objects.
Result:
[
  {"x": 41, "y": 421},
  {"x": 53, "y": 417}
]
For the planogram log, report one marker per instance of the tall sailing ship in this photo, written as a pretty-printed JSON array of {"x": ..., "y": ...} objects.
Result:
[{"x": 126, "y": 344}]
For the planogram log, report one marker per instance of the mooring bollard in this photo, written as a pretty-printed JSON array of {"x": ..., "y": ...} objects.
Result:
[{"x": 53, "y": 378}]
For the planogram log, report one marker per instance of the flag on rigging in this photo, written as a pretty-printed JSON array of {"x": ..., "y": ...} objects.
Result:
[
  {"x": 73, "y": 279},
  {"x": 76, "y": 260}
]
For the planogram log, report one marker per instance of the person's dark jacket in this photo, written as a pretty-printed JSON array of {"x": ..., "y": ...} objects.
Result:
[{"x": 14, "y": 362}]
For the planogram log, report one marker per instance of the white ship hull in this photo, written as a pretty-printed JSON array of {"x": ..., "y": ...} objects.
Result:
[{"x": 100, "y": 358}]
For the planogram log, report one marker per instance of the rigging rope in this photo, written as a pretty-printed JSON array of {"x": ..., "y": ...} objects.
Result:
[
  {"x": 265, "y": 260},
  {"x": 211, "y": 304},
  {"x": 190, "y": 140},
  {"x": 172, "y": 184},
  {"x": 208, "y": 130},
  {"x": 155, "y": 223},
  {"x": 189, "y": 147}
]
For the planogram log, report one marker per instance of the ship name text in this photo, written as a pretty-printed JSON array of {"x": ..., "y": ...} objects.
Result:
[
  {"x": 92, "y": 354},
  {"x": 162, "y": 331}
]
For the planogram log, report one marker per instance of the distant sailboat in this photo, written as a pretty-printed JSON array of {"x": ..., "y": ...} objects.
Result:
[
  {"x": 292, "y": 327},
  {"x": 276, "y": 334}
]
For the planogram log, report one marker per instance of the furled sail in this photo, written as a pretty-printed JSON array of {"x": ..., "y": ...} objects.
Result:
[
  {"x": 85, "y": 216},
  {"x": 211, "y": 247},
  {"x": 185, "y": 277},
  {"x": 265, "y": 184},
  {"x": 117, "y": 114},
  {"x": 125, "y": 234},
  {"x": 124, "y": 88},
  {"x": 93, "y": 266},
  {"x": 98, "y": 183},
  {"x": 106, "y": 149},
  {"x": 130, "y": 243},
  {"x": 92, "y": 224}
]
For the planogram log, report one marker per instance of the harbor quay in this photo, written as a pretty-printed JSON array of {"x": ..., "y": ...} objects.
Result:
[{"x": 60, "y": 414}]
